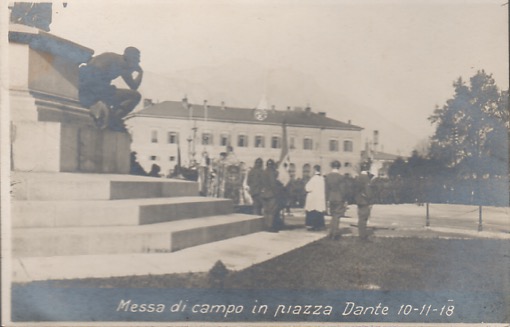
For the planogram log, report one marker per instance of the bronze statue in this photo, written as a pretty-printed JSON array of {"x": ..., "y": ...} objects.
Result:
[{"x": 109, "y": 104}]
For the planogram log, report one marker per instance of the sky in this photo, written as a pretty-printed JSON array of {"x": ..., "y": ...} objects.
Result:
[{"x": 383, "y": 64}]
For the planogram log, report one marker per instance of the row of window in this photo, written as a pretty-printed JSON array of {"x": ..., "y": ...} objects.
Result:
[
  {"x": 292, "y": 167},
  {"x": 172, "y": 137},
  {"x": 275, "y": 142}
]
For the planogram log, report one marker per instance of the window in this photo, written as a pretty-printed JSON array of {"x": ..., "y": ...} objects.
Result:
[
  {"x": 347, "y": 164},
  {"x": 154, "y": 136},
  {"x": 207, "y": 139},
  {"x": 172, "y": 138},
  {"x": 153, "y": 158},
  {"x": 224, "y": 139},
  {"x": 259, "y": 141},
  {"x": 276, "y": 142},
  {"x": 348, "y": 147},
  {"x": 242, "y": 140},
  {"x": 307, "y": 143},
  {"x": 292, "y": 142},
  {"x": 171, "y": 158},
  {"x": 333, "y": 145}
]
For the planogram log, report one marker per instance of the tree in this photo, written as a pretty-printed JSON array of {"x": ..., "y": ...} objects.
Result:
[
  {"x": 413, "y": 178},
  {"x": 472, "y": 128},
  {"x": 471, "y": 140},
  {"x": 398, "y": 168}
]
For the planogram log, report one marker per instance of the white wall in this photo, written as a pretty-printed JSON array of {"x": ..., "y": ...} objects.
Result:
[{"x": 141, "y": 128}]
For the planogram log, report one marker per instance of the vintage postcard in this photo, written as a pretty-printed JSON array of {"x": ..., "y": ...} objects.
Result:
[{"x": 234, "y": 162}]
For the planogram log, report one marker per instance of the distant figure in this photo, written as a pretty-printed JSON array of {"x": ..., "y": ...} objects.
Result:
[
  {"x": 254, "y": 181},
  {"x": 270, "y": 188},
  {"x": 108, "y": 104},
  {"x": 296, "y": 193},
  {"x": 244, "y": 194},
  {"x": 363, "y": 200},
  {"x": 230, "y": 157},
  {"x": 335, "y": 195},
  {"x": 315, "y": 204},
  {"x": 155, "y": 171},
  {"x": 232, "y": 177},
  {"x": 349, "y": 188},
  {"x": 203, "y": 173},
  {"x": 135, "y": 167}
]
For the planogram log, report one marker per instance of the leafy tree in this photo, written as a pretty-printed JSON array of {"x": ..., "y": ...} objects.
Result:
[
  {"x": 398, "y": 168},
  {"x": 467, "y": 160},
  {"x": 412, "y": 178},
  {"x": 472, "y": 129}
]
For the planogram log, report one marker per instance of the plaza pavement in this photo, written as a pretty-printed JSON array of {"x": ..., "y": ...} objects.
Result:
[{"x": 405, "y": 220}]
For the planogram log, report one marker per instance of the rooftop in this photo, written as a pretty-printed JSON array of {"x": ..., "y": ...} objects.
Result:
[
  {"x": 292, "y": 117},
  {"x": 378, "y": 155}
]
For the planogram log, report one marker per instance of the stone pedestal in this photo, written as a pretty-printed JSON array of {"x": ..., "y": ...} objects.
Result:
[
  {"x": 59, "y": 147},
  {"x": 51, "y": 131}
]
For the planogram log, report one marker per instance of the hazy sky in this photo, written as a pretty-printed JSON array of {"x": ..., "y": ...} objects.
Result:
[{"x": 382, "y": 64}]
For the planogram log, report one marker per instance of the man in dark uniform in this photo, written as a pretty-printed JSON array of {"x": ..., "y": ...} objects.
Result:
[
  {"x": 254, "y": 181},
  {"x": 109, "y": 104},
  {"x": 363, "y": 200},
  {"x": 335, "y": 191},
  {"x": 269, "y": 197}
]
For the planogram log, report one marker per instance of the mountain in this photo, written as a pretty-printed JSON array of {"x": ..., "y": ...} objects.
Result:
[{"x": 243, "y": 83}]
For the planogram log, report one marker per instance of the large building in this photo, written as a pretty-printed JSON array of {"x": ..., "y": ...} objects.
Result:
[{"x": 169, "y": 131}]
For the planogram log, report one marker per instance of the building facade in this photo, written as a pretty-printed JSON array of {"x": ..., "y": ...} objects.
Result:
[
  {"x": 380, "y": 162},
  {"x": 172, "y": 131}
]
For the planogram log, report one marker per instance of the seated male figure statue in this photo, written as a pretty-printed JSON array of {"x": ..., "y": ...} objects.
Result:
[{"x": 109, "y": 104}]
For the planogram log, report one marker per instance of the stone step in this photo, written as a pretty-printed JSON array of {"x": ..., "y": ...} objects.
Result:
[
  {"x": 162, "y": 237},
  {"x": 73, "y": 186},
  {"x": 236, "y": 253},
  {"x": 27, "y": 214}
]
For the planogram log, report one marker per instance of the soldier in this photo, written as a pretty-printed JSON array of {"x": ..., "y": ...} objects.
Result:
[
  {"x": 254, "y": 181},
  {"x": 363, "y": 200},
  {"x": 135, "y": 167},
  {"x": 269, "y": 197},
  {"x": 155, "y": 171},
  {"x": 335, "y": 195}
]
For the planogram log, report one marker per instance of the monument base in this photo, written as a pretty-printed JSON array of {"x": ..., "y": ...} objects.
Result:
[
  {"x": 51, "y": 130},
  {"x": 59, "y": 147}
]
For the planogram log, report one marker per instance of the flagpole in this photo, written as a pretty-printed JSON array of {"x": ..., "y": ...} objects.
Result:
[
  {"x": 206, "y": 107},
  {"x": 283, "y": 172}
]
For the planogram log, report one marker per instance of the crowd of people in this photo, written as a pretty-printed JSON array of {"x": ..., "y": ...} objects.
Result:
[
  {"x": 261, "y": 189},
  {"x": 327, "y": 194},
  {"x": 267, "y": 193}
]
